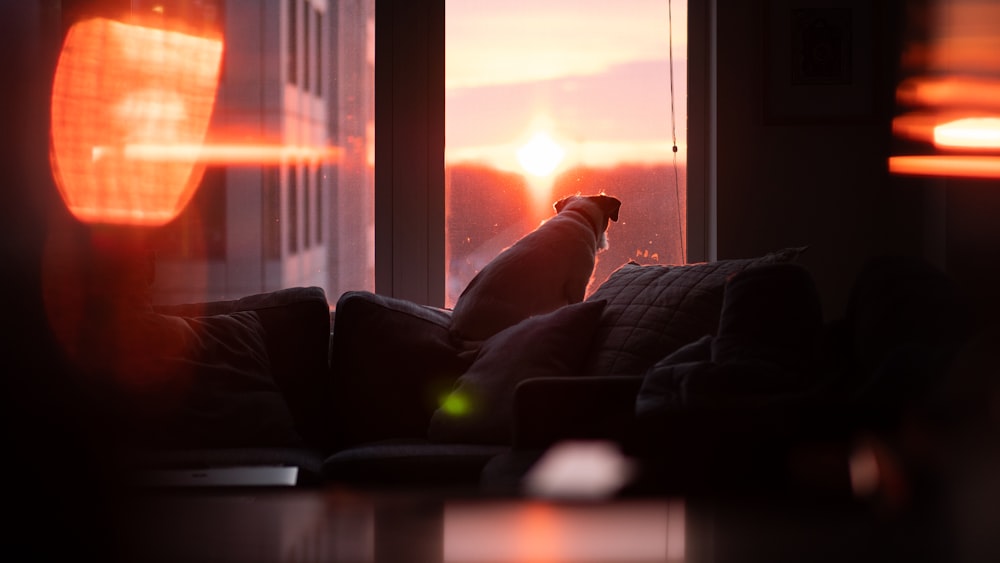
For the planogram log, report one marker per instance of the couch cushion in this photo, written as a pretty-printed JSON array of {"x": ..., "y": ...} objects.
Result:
[
  {"x": 653, "y": 310},
  {"x": 296, "y": 331},
  {"x": 409, "y": 462},
  {"x": 213, "y": 388},
  {"x": 391, "y": 361},
  {"x": 480, "y": 408}
]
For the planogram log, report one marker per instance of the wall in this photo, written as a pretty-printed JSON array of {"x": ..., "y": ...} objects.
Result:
[
  {"x": 821, "y": 185},
  {"x": 971, "y": 240}
]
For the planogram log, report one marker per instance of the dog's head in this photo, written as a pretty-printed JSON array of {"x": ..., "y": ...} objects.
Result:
[{"x": 599, "y": 208}]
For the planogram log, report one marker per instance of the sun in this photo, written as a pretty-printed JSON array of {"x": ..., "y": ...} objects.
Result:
[{"x": 540, "y": 156}]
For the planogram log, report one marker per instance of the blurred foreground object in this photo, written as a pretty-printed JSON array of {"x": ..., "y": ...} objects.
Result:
[
  {"x": 580, "y": 470},
  {"x": 948, "y": 100},
  {"x": 118, "y": 90}
]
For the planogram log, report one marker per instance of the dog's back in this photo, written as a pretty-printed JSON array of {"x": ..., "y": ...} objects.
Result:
[{"x": 546, "y": 269}]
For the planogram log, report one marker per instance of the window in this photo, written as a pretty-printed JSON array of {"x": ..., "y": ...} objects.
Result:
[
  {"x": 292, "y": 205},
  {"x": 403, "y": 216},
  {"x": 545, "y": 99},
  {"x": 271, "y": 215},
  {"x": 306, "y": 45},
  {"x": 307, "y": 210},
  {"x": 319, "y": 204},
  {"x": 320, "y": 58},
  {"x": 292, "y": 42},
  {"x": 303, "y": 79},
  {"x": 410, "y": 188}
]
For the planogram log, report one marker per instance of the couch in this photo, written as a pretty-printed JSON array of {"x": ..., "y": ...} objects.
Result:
[{"x": 717, "y": 377}]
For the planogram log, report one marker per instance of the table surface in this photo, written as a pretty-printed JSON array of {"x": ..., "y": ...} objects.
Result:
[{"x": 336, "y": 525}]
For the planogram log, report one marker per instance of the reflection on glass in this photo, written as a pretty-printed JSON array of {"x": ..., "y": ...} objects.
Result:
[
  {"x": 289, "y": 148},
  {"x": 626, "y": 531},
  {"x": 107, "y": 106}
]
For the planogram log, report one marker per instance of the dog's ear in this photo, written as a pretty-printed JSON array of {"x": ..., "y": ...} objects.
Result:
[
  {"x": 610, "y": 206},
  {"x": 559, "y": 205}
]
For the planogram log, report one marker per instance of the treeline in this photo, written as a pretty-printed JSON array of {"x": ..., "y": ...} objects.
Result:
[{"x": 487, "y": 211}]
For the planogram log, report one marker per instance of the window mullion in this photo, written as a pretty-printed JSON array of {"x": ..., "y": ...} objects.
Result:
[{"x": 409, "y": 151}]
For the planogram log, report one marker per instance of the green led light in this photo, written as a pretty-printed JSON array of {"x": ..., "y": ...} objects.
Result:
[{"x": 455, "y": 404}]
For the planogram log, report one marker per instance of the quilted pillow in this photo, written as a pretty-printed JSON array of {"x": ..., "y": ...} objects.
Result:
[
  {"x": 653, "y": 310},
  {"x": 391, "y": 360},
  {"x": 767, "y": 348}
]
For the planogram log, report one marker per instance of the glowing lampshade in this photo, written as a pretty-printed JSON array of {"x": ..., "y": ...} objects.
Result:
[
  {"x": 950, "y": 123},
  {"x": 118, "y": 88}
]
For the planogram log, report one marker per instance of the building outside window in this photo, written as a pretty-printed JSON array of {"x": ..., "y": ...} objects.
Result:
[{"x": 296, "y": 73}]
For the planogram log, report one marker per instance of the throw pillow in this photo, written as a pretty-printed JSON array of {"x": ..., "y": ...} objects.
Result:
[
  {"x": 653, "y": 310},
  {"x": 390, "y": 362},
  {"x": 480, "y": 407}
]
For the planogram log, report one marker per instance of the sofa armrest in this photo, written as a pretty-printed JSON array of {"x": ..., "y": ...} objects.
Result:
[
  {"x": 296, "y": 322},
  {"x": 551, "y": 409}
]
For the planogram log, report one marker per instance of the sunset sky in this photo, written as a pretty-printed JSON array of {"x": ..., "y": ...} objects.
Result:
[{"x": 591, "y": 75}]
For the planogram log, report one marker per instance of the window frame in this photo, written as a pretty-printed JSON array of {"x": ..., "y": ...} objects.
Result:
[{"x": 409, "y": 146}]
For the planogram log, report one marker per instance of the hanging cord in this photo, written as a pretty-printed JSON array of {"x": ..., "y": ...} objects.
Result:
[{"x": 673, "y": 132}]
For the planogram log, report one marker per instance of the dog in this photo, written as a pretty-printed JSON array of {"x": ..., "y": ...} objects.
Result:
[{"x": 546, "y": 269}]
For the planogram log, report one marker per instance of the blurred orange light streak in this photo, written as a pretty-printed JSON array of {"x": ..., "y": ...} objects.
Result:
[
  {"x": 957, "y": 54},
  {"x": 938, "y": 165},
  {"x": 972, "y": 132},
  {"x": 950, "y": 91},
  {"x": 955, "y": 103},
  {"x": 916, "y": 125},
  {"x": 221, "y": 154}
]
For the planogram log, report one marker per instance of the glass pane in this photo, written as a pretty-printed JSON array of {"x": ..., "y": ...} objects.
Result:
[
  {"x": 549, "y": 98},
  {"x": 296, "y": 80}
]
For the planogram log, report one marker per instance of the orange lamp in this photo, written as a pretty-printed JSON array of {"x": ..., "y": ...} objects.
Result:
[{"x": 120, "y": 89}]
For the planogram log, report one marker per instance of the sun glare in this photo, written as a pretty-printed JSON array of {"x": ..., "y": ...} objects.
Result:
[{"x": 541, "y": 155}]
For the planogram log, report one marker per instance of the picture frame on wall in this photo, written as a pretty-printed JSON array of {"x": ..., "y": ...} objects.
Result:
[{"x": 818, "y": 62}]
